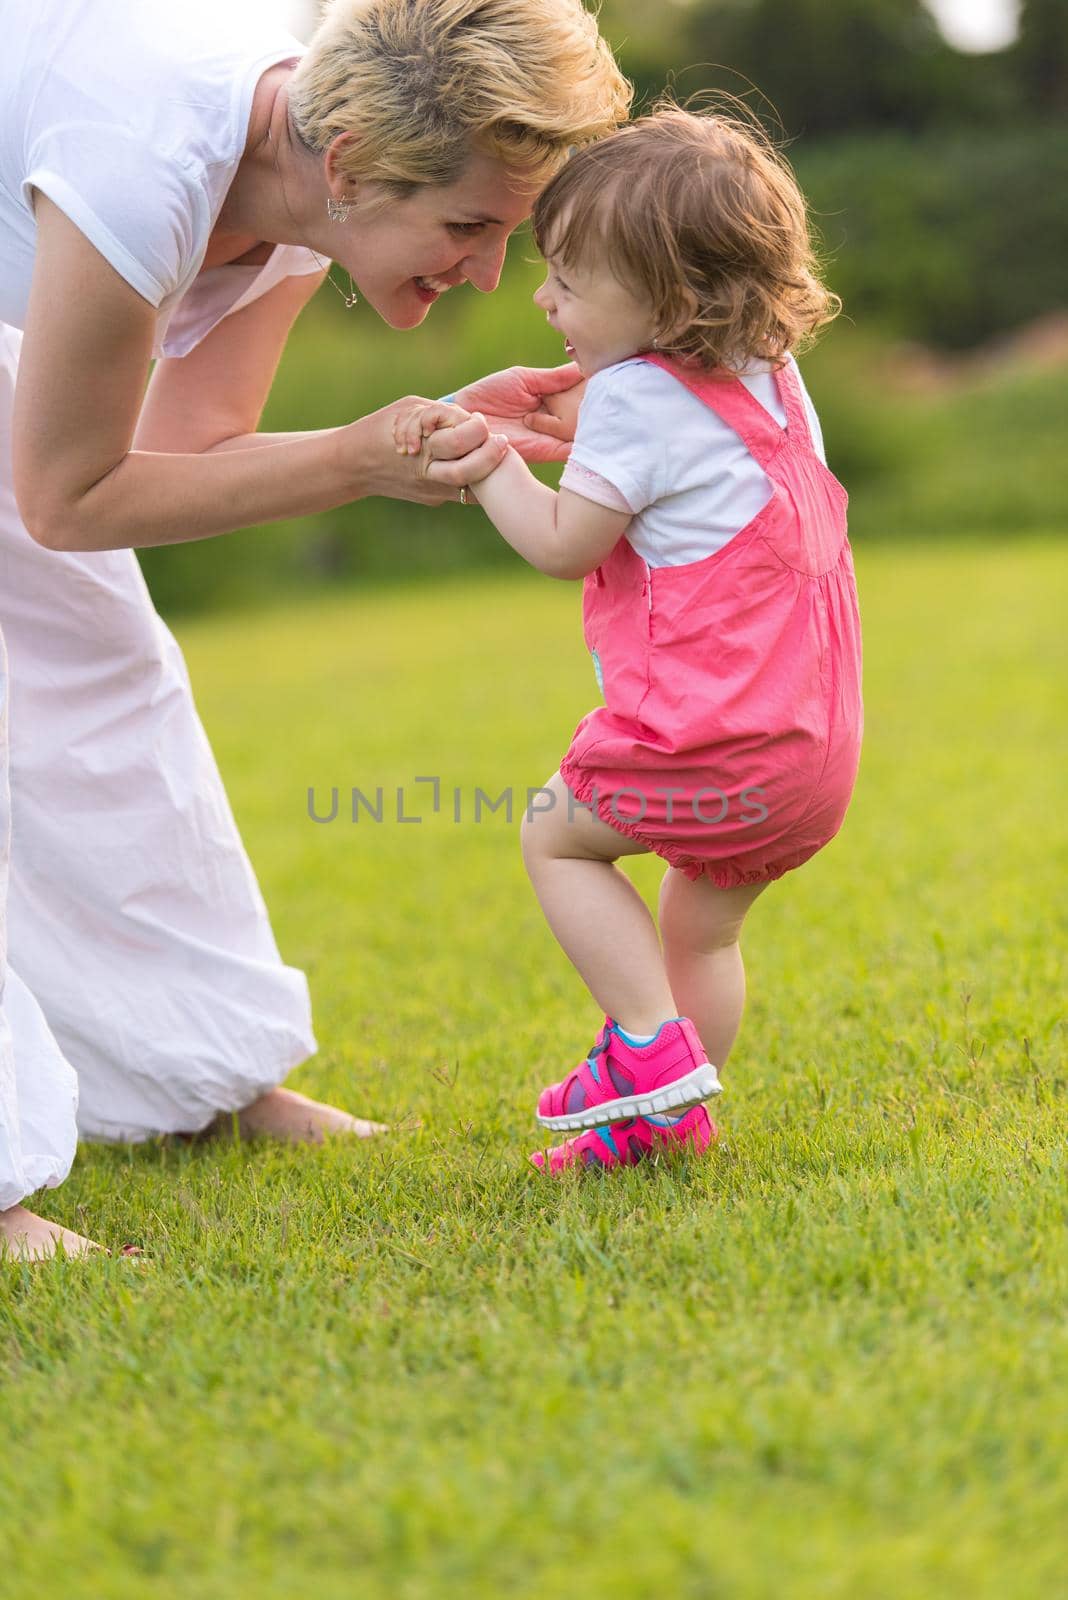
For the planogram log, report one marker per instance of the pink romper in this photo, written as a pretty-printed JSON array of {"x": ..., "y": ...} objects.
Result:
[{"x": 730, "y": 736}]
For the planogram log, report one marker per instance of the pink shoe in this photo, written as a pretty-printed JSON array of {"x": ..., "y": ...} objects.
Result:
[
  {"x": 619, "y": 1080},
  {"x": 627, "y": 1143}
]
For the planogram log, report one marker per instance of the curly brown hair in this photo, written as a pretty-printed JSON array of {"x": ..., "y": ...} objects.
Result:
[{"x": 700, "y": 214}]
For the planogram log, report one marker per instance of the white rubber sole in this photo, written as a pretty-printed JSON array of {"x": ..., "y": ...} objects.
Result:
[{"x": 700, "y": 1084}]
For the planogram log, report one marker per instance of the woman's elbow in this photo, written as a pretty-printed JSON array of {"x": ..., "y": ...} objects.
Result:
[
  {"x": 42, "y": 529},
  {"x": 57, "y": 536},
  {"x": 51, "y": 525}
]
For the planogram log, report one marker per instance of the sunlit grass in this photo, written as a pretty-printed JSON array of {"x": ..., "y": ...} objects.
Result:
[{"x": 828, "y": 1361}]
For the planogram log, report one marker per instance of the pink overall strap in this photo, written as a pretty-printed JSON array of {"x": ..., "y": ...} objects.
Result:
[
  {"x": 730, "y": 399},
  {"x": 789, "y": 384}
]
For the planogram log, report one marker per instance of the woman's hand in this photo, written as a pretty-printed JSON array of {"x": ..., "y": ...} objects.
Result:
[
  {"x": 535, "y": 408},
  {"x": 452, "y": 457}
]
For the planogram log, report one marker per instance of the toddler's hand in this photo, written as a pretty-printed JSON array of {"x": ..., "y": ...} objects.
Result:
[
  {"x": 411, "y": 428},
  {"x": 425, "y": 427}
]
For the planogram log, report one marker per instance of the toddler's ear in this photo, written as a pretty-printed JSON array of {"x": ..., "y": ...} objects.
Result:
[{"x": 687, "y": 311}]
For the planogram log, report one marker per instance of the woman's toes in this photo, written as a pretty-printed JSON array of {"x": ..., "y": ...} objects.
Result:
[
  {"x": 24, "y": 1236},
  {"x": 285, "y": 1114}
]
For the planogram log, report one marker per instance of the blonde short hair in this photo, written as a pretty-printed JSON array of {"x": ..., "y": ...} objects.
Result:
[
  {"x": 701, "y": 216},
  {"x": 420, "y": 83}
]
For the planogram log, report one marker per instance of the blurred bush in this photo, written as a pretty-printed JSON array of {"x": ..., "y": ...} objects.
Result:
[
  {"x": 1039, "y": 57},
  {"x": 947, "y": 237},
  {"x": 835, "y": 66},
  {"x": 957, "y": 449}
]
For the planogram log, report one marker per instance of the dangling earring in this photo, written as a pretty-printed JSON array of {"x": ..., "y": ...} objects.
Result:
[{"x": 338, "y": 211}]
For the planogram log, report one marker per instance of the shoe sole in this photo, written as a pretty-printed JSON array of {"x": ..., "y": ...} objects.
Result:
[{"x": 696, "y": 1086}]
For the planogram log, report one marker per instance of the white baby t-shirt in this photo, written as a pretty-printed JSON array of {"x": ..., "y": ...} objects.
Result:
[{"x": 687, "y": 477}]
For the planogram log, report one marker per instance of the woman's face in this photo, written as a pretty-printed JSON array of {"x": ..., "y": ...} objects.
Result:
[{"x": 404, "y": 254}]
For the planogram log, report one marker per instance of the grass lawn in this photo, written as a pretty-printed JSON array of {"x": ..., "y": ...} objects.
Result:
[{"x": 828, "y": 1361}]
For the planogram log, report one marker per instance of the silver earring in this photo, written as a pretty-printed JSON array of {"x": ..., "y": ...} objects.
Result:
[{"x": 338, "y": 210}]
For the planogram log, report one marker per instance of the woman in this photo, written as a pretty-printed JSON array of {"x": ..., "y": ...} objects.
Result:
[{"x": 172, "y": 183}]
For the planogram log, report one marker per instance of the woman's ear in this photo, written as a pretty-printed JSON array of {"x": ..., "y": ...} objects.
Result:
[{"x": 341, "y": 186}]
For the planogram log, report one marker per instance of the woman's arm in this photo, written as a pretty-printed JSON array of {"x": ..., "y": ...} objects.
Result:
[
  {"x": 216, "y": 394},
  {"x": 83, "y": 480},
  {"x": 213, "y": 398}
]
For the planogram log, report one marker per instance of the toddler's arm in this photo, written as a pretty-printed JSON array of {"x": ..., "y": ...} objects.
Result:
[{"x": 561, "y": 534}]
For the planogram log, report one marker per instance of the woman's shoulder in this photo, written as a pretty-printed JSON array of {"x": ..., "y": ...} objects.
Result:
[
  {"x": 149, "y": 69},
  {"x": 138, "y": 121}
]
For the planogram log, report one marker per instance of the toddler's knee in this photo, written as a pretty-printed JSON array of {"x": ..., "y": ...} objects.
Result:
[
  {"x": 530, "y": 837},
  {"x": 700, "y": 917},
  {"x": 691, "y": 934},
  {"x": 541, "y": 829}
]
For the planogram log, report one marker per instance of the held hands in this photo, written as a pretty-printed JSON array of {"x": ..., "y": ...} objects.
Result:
[
  {"x": 536, "y": 408},
  {"x": 372, "y": 461},
  {"x": 532, "y": 409},
  {"x": 422, "y": 428}
]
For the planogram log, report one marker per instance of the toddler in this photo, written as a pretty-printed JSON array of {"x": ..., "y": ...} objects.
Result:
[{"x": 720, "y": 604}]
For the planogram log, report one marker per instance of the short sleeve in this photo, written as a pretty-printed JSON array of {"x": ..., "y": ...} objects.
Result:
[
  {"x": 142, "y": 209},
  {"x": 591, "y": 486},
  {"x": 616, "y": 438}
]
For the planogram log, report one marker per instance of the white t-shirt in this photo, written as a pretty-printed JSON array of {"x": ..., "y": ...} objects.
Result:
[
  {"x": 132, "y": 115},
  {"x": 646, "y": 444}
]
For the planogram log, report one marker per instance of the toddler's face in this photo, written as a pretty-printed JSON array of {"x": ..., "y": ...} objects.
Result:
[{"x": 601, "y": 320}]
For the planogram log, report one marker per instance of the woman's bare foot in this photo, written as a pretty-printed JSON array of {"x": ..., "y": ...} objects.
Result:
[
  {"x": 284, "y": 1114},
  {"x": 27, "y": 1237}
]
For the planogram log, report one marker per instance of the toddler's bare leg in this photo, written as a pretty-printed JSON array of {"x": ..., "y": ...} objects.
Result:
[
  {"x": 597, "y": 915},
  {"x": 699, "y": 925}
]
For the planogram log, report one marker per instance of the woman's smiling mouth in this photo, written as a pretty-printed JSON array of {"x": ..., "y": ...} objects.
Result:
[{"x": 430, "y": 288}]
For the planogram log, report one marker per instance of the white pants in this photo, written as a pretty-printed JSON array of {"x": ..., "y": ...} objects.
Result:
[{"x": 141, "y": 990}]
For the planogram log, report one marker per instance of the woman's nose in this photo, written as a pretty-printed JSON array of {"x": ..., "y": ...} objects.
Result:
[{"x": 484, "y": 268}]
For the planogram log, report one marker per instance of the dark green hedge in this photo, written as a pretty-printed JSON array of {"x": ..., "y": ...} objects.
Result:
[{"x": 949, "y": 239}]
